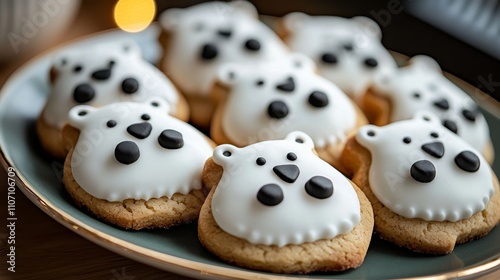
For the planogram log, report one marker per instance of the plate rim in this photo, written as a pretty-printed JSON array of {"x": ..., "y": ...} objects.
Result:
[{"x": 165, "y": 261}]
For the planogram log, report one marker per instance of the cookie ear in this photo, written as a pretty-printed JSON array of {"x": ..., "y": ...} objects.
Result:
[
  {"x": 300, "y": 138},
  {"x": 368, "y": 27},
  {"x": 301, "y": 61},
  {"x": 424, "y": 62},
  {"x": 245, "y": 7},
  {"x": 170, "y": 18},
  {"x": 78, "y": 115},
  {"x": 223, "y": 154},
  {"x": 293, "y": 21},
  {"x": 229, "y": 73},
  {"x": 368, "y": 134}
]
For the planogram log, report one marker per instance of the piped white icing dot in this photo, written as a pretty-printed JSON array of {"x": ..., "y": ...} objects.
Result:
[
  {"x": 298, "y": 208},
  {"x": 430, "y": 177},
  {"x": 152, "y": 163}
]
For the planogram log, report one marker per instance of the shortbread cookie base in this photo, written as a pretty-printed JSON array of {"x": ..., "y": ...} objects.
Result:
[
  {"x": 416, "y": 234},
  {"x": 340, "y": 253},
  {"x": 330, "y": 153},
  {"x": 378, "y": 111}
]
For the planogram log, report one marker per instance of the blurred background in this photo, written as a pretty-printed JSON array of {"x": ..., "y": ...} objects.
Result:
[{"x": 463, "y": 36}]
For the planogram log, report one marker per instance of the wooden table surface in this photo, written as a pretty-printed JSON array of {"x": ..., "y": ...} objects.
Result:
[{"x": 44, "y": 248}]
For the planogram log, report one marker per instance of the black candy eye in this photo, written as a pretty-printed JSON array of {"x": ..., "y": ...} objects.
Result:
[
  {"x": 270, "y": 195},
  {"x": 259, "y": 82},
  {"x": 155, "y": 104},
  {"x": 227, "y": 153},
  {"x": 277, "y": 110},
  {"x": 171, "y": 139},
  {"x": 416, "y": 95},
  {"x": 77, "y": 68},
  {"x": 260, "y": 161},
  {"x": 145, "y": 117},
  {"x": 470, "y": 115},
  {"x": 127, "y": 152},
  {"x": 252, "y": 45},
  {"x": 423, "y": 171},
  {"x": 370, "y": 62},
  {"x": 468, "y": 161},
  {"x": 319, "y": 187},
  {"x": 371, "y": 133},
  {"x": 111, "y": 123},
  {"x": 209, "y": 52},
  {"x": 407, "y": 140},
  {"x": 83, "y": 93},
  {"x": 130, "y": 85},
  {"x": 434, "y": 135},
  {"x": 318, "y": 99},
  {"x": 348, "y": 46},
  {"x": 291, "y": 156}
]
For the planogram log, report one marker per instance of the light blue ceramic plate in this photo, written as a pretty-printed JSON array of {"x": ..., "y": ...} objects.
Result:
[{"x": 178, "y": 249}]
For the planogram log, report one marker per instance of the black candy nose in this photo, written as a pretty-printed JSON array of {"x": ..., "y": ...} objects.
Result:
[
  {"x": 451, "y": 125},
  {"x": 435, "y": 149},
  {"x": 127, "y": 152},
  {"x": 370, "y": 62},
  {"x": 209, "y": 51},
  {"x": 252, "y": 45},
  {"x": 140, "y": 130},
  {"x": 226, "y": 33},
  {"x": 423, "y": 171},
  {"x": 277, "y": 110},
  {"x": 102, "y": 74},
  {"x": 83, "y": 93},
  {"x": 318, "y": 99},
  {"x": 287, "y": 172},
  {"x": 329, "y": 58},
  {"x": 442, "y": 104},
  {"x": 288, "y": 85}
]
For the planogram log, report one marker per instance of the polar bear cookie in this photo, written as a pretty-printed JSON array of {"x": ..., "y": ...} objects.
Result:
[
  {"x": 276, "y": 206},
  {"x": 98, "y": 75},
  {"x": 133, "y": 165},
  {"x": 198, "y": 39},
  {"x": 271, "y": 99},
  {"x": 428, "y": 187},
  {"x": 421, "y": 86},
  {"x": 348, "y": 52}
]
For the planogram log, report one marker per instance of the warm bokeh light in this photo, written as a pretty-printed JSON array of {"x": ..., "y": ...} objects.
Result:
[{"x": 134, "y": 15}]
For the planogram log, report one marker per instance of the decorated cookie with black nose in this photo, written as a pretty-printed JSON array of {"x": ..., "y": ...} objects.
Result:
[
  {"x": 421, "y": 86},
  {"x": 271, "y": 99},
  {"x": 429, "y": 188},
  {"x": 135, "y": 166},
  {"x": 199, "y": 39},
  {"x": 276, "y": 206},
  {"x": 96, "y": 76},
  {"x": 348, "y": 52}
]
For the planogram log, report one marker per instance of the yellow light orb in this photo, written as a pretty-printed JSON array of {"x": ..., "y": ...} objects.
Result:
[{"x": 134, "y": 15}]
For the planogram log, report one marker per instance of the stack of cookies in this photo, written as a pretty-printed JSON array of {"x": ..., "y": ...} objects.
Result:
[{"x": 314, "y": 138}]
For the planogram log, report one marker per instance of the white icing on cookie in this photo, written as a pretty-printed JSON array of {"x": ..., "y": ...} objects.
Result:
[
  {"x": 422, "y": 86},
  {"x": 151, "y": 167},
  {"x": 348, "y": 51},
  {"x": 207, "y": 35},
  {"x": 418, "y": 170},
  {"x": 103, "y": 74},
  {"x": 241, "y": 207},
  {"x": 271, "y": 99}
]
